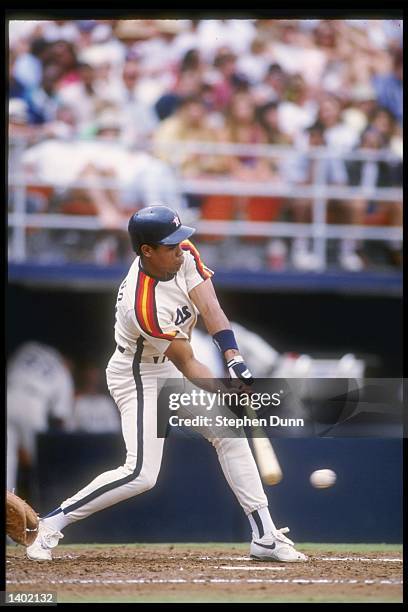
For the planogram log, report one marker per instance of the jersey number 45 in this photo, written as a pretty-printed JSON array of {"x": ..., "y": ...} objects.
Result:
[{"x": 182, "y": 314}]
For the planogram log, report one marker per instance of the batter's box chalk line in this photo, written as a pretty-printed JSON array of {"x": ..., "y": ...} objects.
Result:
[
  {"x": 367, "y": 559},
  {"x": 250, "y": 568},
  {"x": 358, "y": 559},
  {"x": 211, "y": 581}
]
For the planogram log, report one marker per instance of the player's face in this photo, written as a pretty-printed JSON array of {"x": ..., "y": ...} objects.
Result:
[{"x": 164, "y": 259}]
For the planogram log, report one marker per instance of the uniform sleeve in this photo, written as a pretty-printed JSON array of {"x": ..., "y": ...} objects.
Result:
[
  {"x": 154, "y": 322},
  {"x": 195, "y": 270}
]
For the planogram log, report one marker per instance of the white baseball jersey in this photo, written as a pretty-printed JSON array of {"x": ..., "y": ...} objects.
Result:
[
  {"x": 158, "y": 310},
  {"x": 38, "y": 385},
  {"x": 39, "y": 372}
]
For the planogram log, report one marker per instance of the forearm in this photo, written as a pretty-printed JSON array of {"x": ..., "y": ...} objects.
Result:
[
  {"x": 199, "y": 374},
  {"x": 181, "y": 354},
  {"x": 217, "y": 321},
  {"x": 214, "y": 318}
]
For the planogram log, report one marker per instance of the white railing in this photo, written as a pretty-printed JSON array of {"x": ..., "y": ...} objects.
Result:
[{"x": 319, "y": 193}]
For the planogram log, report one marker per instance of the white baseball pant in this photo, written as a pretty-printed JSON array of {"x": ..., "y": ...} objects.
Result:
[{"x": 133, "y": 385}]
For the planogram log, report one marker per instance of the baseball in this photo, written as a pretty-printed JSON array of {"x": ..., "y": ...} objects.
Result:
[{"x": 322, "y": 479}]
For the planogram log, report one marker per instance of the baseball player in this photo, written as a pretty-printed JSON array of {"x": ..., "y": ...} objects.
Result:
[
  {"x": 39, "y": 386},
  {"x": 157, "y": 305}
]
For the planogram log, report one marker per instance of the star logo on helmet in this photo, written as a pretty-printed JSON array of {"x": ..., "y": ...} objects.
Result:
[{"x": 176, "y": 220}]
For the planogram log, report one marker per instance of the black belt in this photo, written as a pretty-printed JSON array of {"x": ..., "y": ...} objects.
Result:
[{"x": 156, "y": 359}]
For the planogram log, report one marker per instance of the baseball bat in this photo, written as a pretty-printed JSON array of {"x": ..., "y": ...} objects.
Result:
[{"x": 265, "y": 456}]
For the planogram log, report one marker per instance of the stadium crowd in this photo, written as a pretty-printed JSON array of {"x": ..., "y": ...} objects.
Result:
[{"x": 139, "y": 85}]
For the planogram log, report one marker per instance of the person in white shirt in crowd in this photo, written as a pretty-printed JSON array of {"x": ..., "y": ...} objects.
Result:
[
  {"x": 94, "y": 410},
  {"x": 237, "y": 34},
  {"x": 61, "y": 29},
  {"x": 299, "y": 107},
  {"x": 294, "y": 50},
  {"x": 273, "y": 85},
  {"x": 83, "y": 97},
  {"x": 139, "y": 39},
  {"x": 39, "y": 388},
  {"x": 254, "y": 64},
  {"x": 141, "y": 178},
  {"x": 138, "y": 119},
  {"x": 341, "y": 136},
  {"x": 301, "y": 169},
  {"x": 29, "y": 64}
]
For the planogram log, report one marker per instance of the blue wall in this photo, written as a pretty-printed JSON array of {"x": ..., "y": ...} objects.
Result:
[{"x": 192, "y": 501}]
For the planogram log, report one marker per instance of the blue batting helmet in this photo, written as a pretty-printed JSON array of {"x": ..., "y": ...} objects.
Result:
[{"x": 157, "y": 225}]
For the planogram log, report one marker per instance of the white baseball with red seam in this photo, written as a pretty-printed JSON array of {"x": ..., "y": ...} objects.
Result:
[{"x": 322, "y": 479}]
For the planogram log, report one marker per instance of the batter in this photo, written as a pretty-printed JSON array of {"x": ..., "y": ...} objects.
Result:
[{"x": 157, "y": 305}]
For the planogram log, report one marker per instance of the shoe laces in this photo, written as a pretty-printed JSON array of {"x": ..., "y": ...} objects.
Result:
[
  {"x": 51, "y": 539},
  {"x": 278, "y": 534}
]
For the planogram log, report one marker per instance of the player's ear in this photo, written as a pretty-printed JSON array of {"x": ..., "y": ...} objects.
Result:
[{"x": 146, "y": 250}]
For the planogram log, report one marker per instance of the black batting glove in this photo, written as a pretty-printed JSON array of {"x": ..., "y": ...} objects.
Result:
[{"x": 237, "y": 368}]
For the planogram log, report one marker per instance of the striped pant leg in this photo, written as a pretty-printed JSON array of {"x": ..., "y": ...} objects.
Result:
[
  {"x": 235, "y": 457},
  {"x": 241, "y": 472},
  {"x": 134, "y": 391}
]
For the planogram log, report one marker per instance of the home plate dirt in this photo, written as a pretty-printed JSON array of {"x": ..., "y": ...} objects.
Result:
[{"x": 209, "y": 573}]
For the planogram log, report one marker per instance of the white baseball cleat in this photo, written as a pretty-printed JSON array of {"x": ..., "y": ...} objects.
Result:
[
  {"x": 276, "y": 547},
  {"x": 40, "y": 549}
]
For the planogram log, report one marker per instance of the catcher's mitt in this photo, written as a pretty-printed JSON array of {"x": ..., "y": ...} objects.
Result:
[{"x": 21, "y": 520}]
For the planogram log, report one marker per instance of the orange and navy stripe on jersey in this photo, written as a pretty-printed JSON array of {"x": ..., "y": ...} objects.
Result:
[
  {"x": 145, "y": 307},
  {"x": 203, "y": 271}
]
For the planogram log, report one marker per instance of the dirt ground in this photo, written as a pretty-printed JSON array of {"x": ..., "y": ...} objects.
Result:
[{"x": 209, "y": 573}]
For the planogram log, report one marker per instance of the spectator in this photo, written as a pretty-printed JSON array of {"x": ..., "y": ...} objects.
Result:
[
  {"x": 360, "y": 107},
  {"x": 338, "y": 134},
  {"x": 158, "y": 58},
  {"x": 298, "y": 110},
  {"x": 388, "y": 87},
  {"x": 341, "y": 137},
  {"x": 241, "y": 127},
  {"x": 369, "y": 175},
  {"x": 29, "y": 65},
  {"x": 61, "y": 29},
  {"x": 227, "y": 78},
  {"x": 305, "y": 170},
  {"x": 273, "y": 86},
  {"x": 254, "y": 64},
  {"x": 16, "y": 88},
  {"x": 44, "y": 101},
  {"x": 189, "y": 123},
  {"x": 237, "y": 34},
  {"x": 63, "y": 53},
  {"x": 138, "y": 119},
  {"x": 83, "y": 97},
  {"x": 383, "y": 121},
  {"x": 188, "y": 83},
  {"x": 295, "y": 52},
  {"x": 268, "y": 118},
  {"x": 19, "y": 125}
]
